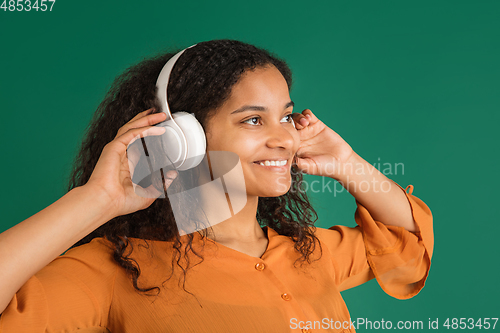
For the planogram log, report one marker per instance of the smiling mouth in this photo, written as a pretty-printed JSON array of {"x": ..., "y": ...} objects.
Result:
[{"x": 276, "y": 166}]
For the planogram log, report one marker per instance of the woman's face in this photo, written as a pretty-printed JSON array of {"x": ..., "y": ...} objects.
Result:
[{"x": 256, "y": 124}]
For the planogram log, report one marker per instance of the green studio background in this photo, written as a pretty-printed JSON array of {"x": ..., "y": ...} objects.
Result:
[{"x": 415, "y": 83}]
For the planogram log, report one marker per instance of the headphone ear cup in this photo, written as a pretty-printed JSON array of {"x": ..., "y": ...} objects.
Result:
[{"x": 195, "y": 138}]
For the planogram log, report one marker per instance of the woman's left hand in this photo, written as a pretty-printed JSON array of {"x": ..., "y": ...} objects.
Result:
[{"x": 321, "y": 150}]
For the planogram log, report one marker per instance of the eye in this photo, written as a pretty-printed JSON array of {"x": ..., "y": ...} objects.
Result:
[
  {"x": 246, "y": 121},
  {"x": 289, "y": 119}
]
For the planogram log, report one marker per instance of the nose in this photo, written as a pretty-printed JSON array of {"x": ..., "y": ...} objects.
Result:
[{"x": 281, "y": 136}]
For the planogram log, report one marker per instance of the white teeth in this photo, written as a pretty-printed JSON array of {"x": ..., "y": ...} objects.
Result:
[{"x": 273, "y": 163}]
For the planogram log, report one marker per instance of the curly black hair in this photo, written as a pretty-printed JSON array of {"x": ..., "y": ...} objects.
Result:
[{"x": 200, "y": 82}]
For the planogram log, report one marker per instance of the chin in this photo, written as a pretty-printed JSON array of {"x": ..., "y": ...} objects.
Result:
[
  {"x": 268, "y": 185},
  {"x": 274, "y": 191},
  {"x": 271, "y": 195}
]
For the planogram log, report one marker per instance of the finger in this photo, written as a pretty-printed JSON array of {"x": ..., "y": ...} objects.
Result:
[
  {"x": 138, "y": 116},
  {"x": 142, "y": 114},
  {"x": 134, "y": 134},
  {"x": 300, "y": 120},
  {"x": 310, "y": 116},
  {"x": 147, "y": 120},
  {"x": 133, "y": 156},
  {"x": 172, "y": 174}
]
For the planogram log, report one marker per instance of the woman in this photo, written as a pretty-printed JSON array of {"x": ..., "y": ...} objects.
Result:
[{"x": 265, "y": 269}]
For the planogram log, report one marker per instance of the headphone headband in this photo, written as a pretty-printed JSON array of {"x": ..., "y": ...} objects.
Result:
[{"x": 162, "y": 82}]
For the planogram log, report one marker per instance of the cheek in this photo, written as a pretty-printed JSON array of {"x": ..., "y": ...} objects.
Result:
[
  {"x": 226, "y": 143},
  {"x": 215, "y": 141}
]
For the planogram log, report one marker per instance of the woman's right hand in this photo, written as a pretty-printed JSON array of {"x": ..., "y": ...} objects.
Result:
[{"x": 112, "y": 174}]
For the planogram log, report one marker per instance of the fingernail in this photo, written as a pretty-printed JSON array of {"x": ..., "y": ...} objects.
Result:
[
  {"x": 303, "y": 121},
  {"x": 156, "y": 130}
]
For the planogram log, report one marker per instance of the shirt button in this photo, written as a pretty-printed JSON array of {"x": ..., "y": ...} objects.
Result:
[
  {"x": 305, "y": 330},
  {"x": 260, "y": 266},
  {"x": 286, "y": 297}
]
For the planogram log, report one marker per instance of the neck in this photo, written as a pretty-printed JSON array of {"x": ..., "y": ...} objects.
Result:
[{"x": 242, "y": 227}]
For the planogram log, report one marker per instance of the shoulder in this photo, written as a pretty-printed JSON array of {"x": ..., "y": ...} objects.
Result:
[
  {"x": 99, "y": 251},
  {"x": 80, "y": 281},
  {"x": 91, "y": 261},
  {"x": 74, "y": 290},
  {"x": 98, "y": 245},
  {"x": 341, "y": 240}
]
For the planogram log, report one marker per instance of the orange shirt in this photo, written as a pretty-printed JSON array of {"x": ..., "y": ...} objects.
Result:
[{"x": 84, "y": 290}]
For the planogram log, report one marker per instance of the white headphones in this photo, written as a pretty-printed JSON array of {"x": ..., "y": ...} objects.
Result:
[{"x": 184, "y": 140}]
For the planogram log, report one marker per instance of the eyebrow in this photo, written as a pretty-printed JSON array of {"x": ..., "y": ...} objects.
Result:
[{"x": 259, "y": 108}]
